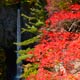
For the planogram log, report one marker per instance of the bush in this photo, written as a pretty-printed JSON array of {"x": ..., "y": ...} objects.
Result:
[{"x": 57, "y": 54}]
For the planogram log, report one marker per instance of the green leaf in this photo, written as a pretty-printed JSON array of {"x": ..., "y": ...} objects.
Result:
[
  {"x": 32, "y": 29},
  {"x": 29, "y": 41},
  {"x": 22, "y": 52},
  {"x": 23, "y": 30},
  {"x": 27, "y": 17},
  {"x": 23, "y": 57},
  {"x": 39, "y": 23},
  {"x": 32, "y": 69}
]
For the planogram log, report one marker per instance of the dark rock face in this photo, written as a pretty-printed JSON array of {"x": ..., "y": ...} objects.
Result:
[
  {"x": 8, "y": 35},
  {"x": 2, "y": 65},
  {"x": 7, "y": 26},
  {"x": 8, "y": 17}
]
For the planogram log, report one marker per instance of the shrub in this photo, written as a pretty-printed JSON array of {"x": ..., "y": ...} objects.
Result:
[{"x": 57, "y": 55}]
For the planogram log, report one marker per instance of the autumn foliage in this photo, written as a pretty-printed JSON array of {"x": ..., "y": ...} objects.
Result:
[{"x": 58, "y": 51}]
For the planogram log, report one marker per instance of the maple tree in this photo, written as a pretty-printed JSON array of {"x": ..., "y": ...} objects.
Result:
[{"x": 57, "y": 54}]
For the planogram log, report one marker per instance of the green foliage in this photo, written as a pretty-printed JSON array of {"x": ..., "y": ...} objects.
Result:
[
  {"x": 28, "y": 1},
  {"x": 35, "y": 19},
  {"x": 29, "y": 69},
  {"x": 22, "y": 57},
  {"x": 32, "y": 29},
  {"x": 8, "y": 2},
  {"x": 62, "y": 5},
  {"x": 11, "y": 2},
  {"x": 23, "y": 54},
  {"x": 76, "y": 1},
  {"x": 29, "y": 41}
]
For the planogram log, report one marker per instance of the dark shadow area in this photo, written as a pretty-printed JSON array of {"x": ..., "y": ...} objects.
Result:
[
  {"x": 8, "y": 24},
  {"x": 10, "y": 63}
]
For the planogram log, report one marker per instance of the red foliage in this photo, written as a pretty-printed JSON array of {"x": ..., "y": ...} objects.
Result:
[
  {"x": 57, "y": 51},
  {"x": 73, "y": 13},
  {"x": 75, "y": 7},
  {"x": 54, "y": 49}
]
